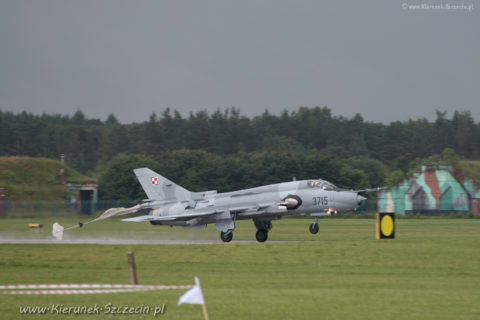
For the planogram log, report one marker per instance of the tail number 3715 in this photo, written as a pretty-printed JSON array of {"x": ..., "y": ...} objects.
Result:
[{"x": 320, "y": 201}]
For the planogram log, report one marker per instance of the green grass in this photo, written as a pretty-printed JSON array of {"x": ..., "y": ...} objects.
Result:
[
  {"x": 431, "y": 271},
  {"x": 28, "y": 178}
]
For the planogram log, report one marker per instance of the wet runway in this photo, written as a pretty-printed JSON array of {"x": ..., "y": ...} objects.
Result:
[{"x": 126, "y": 241}]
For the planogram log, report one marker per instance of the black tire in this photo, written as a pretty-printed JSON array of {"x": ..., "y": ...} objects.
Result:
[
  {"x": 261, "y": 235},
  {"x": 313, "y": 228},
  {"x": 226, "y": 236}
]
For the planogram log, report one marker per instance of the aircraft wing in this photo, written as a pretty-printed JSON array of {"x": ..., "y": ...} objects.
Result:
[
  {"x": 247, "y": 209},
  {"x": 148, "y": 218},
  {"x": 172, "y": 217}
]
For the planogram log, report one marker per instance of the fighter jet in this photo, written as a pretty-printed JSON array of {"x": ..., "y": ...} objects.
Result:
[{"x": 173, "y": 205}]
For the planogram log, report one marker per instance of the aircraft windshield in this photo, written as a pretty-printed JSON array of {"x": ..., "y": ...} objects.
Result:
[{"x": 321, "y": 184}]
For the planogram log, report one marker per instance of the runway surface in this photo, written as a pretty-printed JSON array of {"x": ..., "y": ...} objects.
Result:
[{"x": 126, "y": 241}]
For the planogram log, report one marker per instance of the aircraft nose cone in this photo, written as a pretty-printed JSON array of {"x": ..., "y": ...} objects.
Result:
[{"x": 360, "y": 199}]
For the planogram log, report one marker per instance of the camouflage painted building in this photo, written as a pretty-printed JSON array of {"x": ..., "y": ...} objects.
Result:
[{"x": 433, "y": 190}]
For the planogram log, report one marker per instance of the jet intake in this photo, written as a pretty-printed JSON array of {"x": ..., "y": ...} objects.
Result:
[{"x": 290, "y": 202}]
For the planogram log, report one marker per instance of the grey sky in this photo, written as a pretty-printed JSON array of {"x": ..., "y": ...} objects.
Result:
[{"x": 132, "y": 58}]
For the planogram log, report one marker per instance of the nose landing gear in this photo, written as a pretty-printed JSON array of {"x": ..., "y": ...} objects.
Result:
[{"x": 314, "y": 227}]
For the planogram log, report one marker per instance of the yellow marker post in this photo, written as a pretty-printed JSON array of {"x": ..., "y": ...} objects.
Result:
[{"x": 385, "y": 228}]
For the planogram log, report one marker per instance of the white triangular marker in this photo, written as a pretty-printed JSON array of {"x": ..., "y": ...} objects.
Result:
[{"x": 193, "y": 296}]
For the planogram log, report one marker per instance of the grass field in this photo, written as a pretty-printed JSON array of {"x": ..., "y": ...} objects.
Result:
[
  {"x": 430, "y": 271},
  {"x": 28, "y": 178}
]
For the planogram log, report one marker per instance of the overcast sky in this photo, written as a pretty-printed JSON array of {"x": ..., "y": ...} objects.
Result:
[{"x": 382, "y": 59}]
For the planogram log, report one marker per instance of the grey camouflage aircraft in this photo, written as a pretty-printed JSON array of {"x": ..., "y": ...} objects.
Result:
[{"x": 173, "y": 205}]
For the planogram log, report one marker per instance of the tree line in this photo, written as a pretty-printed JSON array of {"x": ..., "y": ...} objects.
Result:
[
  {"x": 198, "y": 170},
  {"x": 239, "y": 151}
]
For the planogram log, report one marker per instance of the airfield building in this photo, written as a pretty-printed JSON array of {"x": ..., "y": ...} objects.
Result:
[{"x": 434, "y": 190}]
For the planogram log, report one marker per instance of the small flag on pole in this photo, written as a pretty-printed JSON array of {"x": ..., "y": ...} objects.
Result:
[{"x": 194, "y": 296}]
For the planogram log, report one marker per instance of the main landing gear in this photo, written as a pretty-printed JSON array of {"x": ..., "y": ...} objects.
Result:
[
  {"x": 226, "y": 236},
  {"x": 263, "y": 227},
  {"x": 314, "y": 226}
]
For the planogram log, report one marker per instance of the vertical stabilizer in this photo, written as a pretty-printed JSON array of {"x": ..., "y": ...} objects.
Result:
[{"x": 160, "y": 188}]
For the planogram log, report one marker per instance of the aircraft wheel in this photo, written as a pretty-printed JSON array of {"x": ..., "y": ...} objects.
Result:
[
  {"x": 313, "y": 228},
  {"x": 261, "y": 235},
  {"x": 226, "y": 236}
]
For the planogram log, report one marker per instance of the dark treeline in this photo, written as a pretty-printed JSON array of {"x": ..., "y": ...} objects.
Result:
[
  {"x": 199, "y": 170},
  {"x": 365, "y": 153},
  {"x": 88, "y": 142}
]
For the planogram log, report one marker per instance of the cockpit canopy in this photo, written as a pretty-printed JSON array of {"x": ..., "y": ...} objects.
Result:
[{"x": 321, "y": 184}]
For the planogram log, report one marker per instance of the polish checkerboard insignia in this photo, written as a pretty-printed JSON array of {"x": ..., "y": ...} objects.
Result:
[{"x": 154, "y": 180}]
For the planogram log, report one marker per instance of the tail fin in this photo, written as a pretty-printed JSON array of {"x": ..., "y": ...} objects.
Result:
[{"x": 160, "y": 188}]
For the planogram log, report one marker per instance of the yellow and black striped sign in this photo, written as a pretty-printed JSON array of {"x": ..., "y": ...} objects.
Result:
[{"x": 385, "y": 225}]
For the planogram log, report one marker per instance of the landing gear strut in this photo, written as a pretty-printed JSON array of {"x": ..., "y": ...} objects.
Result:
[
  {"x": 314, "y": 226},
  {"x": 226, "y": 236}
]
